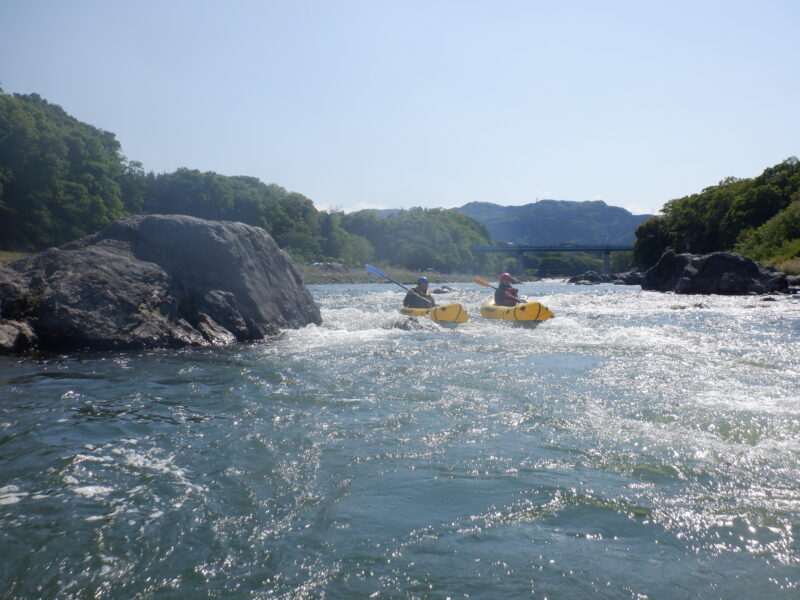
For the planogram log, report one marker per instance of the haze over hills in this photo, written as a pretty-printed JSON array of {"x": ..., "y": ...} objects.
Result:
[{"x": 556, "y": 222}]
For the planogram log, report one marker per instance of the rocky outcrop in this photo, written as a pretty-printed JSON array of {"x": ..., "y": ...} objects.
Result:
[
  {"x": 593, "y": 277},
  {"x": 590, "y": 278},
  {"x": 716, "y": 273},
  {"x": 153, "y": 281}
]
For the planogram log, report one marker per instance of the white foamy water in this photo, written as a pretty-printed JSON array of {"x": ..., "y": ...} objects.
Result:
[{"x": 639, "y": 445}]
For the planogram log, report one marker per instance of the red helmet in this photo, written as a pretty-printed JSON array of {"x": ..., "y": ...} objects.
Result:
[{"x": 505, "y": 277}]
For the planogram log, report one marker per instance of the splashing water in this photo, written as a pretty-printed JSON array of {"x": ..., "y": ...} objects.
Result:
[{"x": 639, "y": 445}]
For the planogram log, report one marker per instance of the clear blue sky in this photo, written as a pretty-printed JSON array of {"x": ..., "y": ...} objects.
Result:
[{"x": 430, "y": 103}]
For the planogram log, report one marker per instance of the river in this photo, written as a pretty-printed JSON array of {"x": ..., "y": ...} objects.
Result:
[{"x": 639, "y": 445}]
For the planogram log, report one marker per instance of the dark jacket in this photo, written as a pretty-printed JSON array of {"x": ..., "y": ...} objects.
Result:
[
  {"x": 413, "y": 301},
  {"x": 504, "y": 295}
]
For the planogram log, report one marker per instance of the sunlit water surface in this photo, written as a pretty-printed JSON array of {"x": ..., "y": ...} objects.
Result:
[{"x": 639, "y": 445}]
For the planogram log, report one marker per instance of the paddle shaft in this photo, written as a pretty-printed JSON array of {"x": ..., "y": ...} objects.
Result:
[{"x": 379, "y": 273}]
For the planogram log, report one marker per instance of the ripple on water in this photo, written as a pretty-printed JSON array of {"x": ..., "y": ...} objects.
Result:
[{"x": 638, "y": 445}]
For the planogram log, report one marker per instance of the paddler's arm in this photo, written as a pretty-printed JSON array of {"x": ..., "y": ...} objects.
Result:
[
  {"x": 429, "y": 301},
  {"x": 409, "y": 299},
  {"x": 413, "y": 293}
]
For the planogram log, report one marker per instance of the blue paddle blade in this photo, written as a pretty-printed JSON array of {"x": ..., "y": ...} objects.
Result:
[{"x": 375, "y": 270}]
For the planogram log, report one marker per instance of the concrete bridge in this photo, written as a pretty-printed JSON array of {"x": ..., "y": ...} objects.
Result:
[{"x": 520, "y": 250}]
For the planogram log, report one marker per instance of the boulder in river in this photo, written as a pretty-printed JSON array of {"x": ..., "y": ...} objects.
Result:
[
  {"x": 153, "y": 281},
  {"x": 633, "y": 277},
  {"x": 593, "y": 277},
  {"x": 590, "y": 278},
  {"x": 715, "y": 273}
]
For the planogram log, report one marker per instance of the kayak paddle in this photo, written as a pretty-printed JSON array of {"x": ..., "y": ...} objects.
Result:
[{"x": 378, "y": 272}]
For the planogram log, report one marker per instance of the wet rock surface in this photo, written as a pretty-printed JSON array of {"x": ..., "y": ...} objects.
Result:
[
  {"x": 715, "y": 273},
  {"x": 153, "y": 281}
]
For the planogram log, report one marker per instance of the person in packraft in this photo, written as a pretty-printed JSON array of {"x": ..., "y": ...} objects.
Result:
[
  {"x": 418, "y": 296},
  {"x": 504, "y": 294}
]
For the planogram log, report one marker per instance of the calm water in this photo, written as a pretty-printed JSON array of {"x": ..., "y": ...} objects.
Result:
[{"x": 637, "y": 446}]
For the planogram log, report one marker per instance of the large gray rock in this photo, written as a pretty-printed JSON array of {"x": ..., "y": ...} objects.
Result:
[
  {"x": 716, "y": 273},
  {"x": 155, "y": 281}
]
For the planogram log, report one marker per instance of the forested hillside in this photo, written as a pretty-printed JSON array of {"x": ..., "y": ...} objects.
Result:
[
  {"x": 289, "y": 217},
  {"x": 61, "y": 179},
  {"x": 424, "y": 238},
  {"x": 757, "y": 217},
  {"x": 556, "y": 222}
]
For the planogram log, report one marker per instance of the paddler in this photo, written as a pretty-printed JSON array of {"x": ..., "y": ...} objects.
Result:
[
  {"x": 504, "y": 294},
  {"x": 418, "y": 296}
]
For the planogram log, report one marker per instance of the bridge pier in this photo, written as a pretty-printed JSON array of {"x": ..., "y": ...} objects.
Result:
[{"x": 606, "y": 262}]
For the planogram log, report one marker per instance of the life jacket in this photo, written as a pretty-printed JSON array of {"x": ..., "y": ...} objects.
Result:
[
  {"x": 501, "y": 295},
  {"x": 412, "y": 300}
]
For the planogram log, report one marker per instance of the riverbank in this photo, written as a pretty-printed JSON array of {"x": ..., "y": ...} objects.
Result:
[
  {"x": 332, "y": 273},
  {"x": 335, "y": 273}
]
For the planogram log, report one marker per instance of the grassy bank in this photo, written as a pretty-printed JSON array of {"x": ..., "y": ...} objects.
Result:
[
  {"x": 790, "y": 267},
  {"x": 9, "y": 257}
]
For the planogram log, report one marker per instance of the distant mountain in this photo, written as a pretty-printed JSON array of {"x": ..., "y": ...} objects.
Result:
[{"x": 556, "y": 222}]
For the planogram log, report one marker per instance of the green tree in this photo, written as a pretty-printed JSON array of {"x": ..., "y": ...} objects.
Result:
[
  {"x": 652, "y": 239},
  {"x": 289, "y": 217},
  {"x": 719, "y": 216},
  {"x": 621, "y": 261},
  {"x": 59, "y": 176},
  {"x": 775, "y": 241},
  {"x": 357, "y": 250},
  {"x": 424, "y": 238},
  {"x": 333, "y": 236},
  {"x": 563, "y": 265}
]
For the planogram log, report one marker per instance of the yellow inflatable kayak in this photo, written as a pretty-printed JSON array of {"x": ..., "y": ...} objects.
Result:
[
  {"x": 525, "y": 312},
  {"x": 446, "y": 313}
]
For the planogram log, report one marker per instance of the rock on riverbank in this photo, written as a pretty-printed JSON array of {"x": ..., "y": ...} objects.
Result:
[
  {"x": 715, "y": 273},
  {"x": 593, "y": 277},
  {"x": 153, "y": 281}
]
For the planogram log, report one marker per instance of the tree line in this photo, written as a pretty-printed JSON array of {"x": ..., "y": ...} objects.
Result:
[
  {"x": 758, "y": 217},
  {"x": 61, "y": 179}
]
